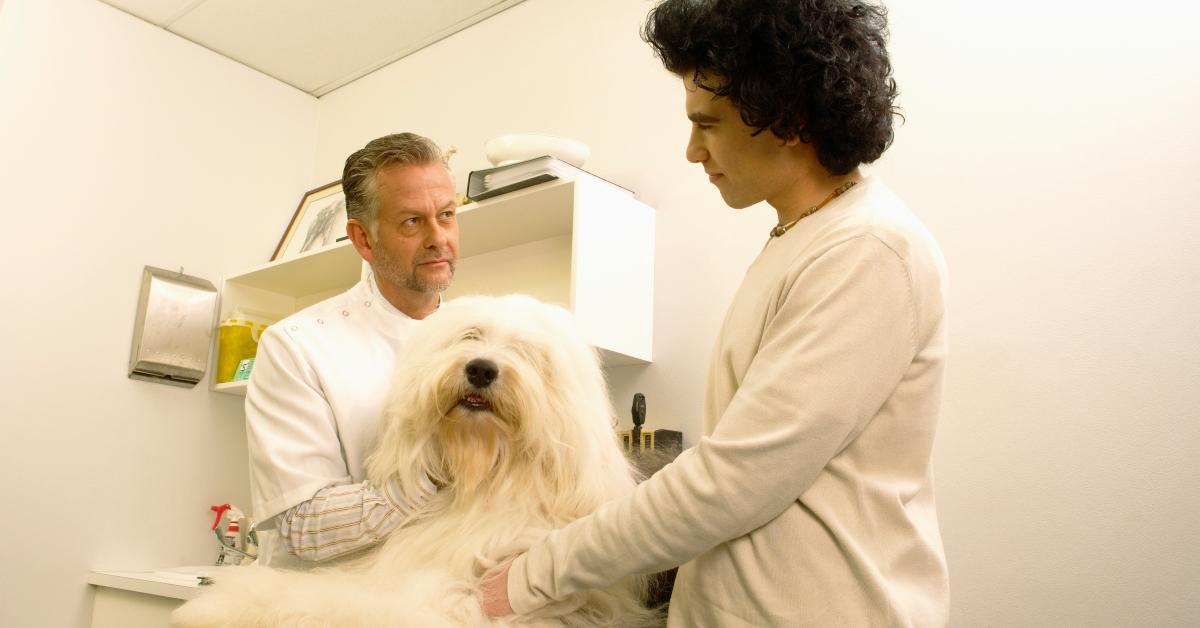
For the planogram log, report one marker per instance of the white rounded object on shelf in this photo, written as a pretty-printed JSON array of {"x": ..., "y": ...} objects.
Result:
[{"x": 514, "y": 147}]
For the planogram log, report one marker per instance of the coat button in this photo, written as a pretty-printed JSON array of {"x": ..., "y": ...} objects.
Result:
[{"x": 345, "y": 313}]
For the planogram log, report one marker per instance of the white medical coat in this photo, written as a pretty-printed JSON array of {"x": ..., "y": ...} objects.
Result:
[{"x": 320, "y": 379}]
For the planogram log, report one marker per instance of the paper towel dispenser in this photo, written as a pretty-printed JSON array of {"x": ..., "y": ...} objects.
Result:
[{"x": 172, "y": 333}]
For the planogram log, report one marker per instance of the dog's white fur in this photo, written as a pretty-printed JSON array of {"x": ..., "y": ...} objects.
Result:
[{"x": 544, "y": 454}]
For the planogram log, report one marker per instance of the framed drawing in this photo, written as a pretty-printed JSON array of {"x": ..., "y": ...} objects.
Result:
[{"x": 319, "y": 221}]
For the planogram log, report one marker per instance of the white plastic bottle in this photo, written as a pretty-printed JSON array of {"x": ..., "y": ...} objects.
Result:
[
  {"x": 230, "y": 535},
  {"x": 233, "y": 538}
]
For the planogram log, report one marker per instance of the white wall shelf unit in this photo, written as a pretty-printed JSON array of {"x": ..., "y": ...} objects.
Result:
[{"x": 583, "y": 243}]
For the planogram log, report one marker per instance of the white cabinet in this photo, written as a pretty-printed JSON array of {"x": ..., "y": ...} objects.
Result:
[
  {"x": 285, "y": 287},
  {"x": 583, "y": 243}
]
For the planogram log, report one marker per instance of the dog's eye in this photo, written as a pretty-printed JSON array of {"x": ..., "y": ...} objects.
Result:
[{"x": 534, "y": 352}]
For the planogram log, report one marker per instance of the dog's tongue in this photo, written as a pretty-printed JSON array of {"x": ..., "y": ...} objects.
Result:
[{"x": 474, "y": 398}]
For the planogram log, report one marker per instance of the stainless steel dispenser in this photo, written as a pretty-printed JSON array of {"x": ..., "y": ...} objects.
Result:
[{"x": 172, "y": 333}]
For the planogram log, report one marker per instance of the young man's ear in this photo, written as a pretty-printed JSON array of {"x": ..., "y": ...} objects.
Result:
[{"x": 361, "y": 238}]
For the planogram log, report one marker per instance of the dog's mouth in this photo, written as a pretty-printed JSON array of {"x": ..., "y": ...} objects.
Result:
[{"x": 475, "y": 403}]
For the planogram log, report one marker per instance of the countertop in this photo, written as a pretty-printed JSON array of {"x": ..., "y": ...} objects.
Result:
[{"x": 181, "y": 583}]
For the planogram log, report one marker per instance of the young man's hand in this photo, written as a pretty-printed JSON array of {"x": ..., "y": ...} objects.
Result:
[{"x": 493, "y": 591}]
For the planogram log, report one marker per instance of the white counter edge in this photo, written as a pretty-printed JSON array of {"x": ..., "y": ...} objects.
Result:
[{"x": 144, "y": 582}]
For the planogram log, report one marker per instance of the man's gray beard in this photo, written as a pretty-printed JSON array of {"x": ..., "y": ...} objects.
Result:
[{"x": 389, "y": 268}]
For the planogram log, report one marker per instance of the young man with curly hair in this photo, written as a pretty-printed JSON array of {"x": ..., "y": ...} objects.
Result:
[{"x": 809, "y": 499}]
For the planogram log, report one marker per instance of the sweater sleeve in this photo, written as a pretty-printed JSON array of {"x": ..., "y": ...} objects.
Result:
[{"x": 831, "y": 354}]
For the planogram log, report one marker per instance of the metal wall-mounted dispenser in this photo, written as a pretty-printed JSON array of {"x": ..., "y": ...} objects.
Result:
[{"x": 172, "y": 334}]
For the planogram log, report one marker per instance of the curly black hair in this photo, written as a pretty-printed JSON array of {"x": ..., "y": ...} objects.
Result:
[{"x": 817, "y": 70}]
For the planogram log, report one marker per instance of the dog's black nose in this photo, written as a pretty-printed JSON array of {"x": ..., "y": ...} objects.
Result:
[{"x": 481, "y": 373}]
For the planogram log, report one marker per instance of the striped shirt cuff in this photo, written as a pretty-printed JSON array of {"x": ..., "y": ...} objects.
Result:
[{"x": 340, "y": 520}]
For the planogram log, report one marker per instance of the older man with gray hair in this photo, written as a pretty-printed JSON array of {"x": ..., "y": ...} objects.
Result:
[{"x": 322, "y": 375}]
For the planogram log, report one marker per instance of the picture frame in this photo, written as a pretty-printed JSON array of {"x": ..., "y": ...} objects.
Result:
[{"x": 319, "y": 221}]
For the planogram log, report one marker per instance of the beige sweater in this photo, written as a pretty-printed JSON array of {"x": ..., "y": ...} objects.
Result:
[{"x": 809, "y": 501}]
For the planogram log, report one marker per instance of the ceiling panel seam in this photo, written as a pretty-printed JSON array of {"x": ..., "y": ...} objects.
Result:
[{"x": 183, "y": 13}]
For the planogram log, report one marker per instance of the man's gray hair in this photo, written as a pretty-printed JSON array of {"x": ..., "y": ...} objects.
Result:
[{"x": 362, "y": 166}]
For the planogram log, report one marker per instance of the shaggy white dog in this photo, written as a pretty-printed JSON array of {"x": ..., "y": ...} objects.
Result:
[{"x": 503, "y": 405}]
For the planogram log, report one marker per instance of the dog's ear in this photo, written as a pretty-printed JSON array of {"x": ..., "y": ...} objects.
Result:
[
  {"x": 582, "y": 394},
  {"x": 401, "y": 446},
  {"x": 384, "y": 461}
]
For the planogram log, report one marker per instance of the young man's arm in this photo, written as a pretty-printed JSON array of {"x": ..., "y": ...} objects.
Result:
[{"x": 832, "y": 354}]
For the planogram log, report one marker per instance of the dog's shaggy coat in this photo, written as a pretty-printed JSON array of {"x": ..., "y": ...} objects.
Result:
[{"x": 503, "y": 405}]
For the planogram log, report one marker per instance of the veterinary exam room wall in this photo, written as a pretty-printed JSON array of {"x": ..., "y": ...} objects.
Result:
[
  {"x": 1052, "y": 154},
  {"x": 1052, "y": 148},
  {"x": 121, "y": 145}
]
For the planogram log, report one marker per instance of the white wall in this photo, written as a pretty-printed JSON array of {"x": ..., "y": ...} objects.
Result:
[
  {"x": 121, "y": 145},
  {"x": 1049, "y": 148},
  {"x": 1050, "y": 152}
]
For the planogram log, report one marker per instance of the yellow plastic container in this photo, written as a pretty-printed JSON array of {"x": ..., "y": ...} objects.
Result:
[{"x": 237, "y": 339}]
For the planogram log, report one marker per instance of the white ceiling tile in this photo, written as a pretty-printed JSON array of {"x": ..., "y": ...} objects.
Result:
[
  {"x": 317, "y": 45},
  {"x": 158, "y": 12}
]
